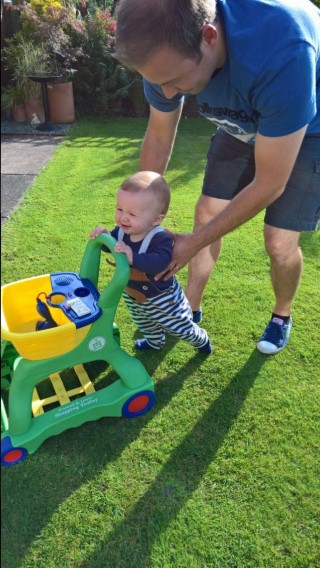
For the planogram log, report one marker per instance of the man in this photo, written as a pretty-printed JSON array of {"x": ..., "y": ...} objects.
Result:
[{"x": 254, "y": 66}]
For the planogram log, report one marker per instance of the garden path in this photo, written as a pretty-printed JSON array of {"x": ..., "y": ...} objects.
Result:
[{"x": 22, "y": 159}]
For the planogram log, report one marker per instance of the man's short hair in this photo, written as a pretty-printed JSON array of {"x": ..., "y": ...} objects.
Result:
[{"x": 144, "y": 26}]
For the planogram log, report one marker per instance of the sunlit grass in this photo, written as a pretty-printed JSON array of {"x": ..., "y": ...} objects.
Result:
[{"x": 223, "y": 471}]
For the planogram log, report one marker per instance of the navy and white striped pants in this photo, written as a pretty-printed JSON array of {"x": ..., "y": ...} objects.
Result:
[{"x": 169, "y": 312}]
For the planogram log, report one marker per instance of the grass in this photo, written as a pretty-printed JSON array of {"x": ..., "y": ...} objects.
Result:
[{"x": 223, "y": 471}]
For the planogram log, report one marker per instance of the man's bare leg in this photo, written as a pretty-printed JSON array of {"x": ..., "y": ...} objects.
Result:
[
  {"x": 201, "y": 265},
  {"x": 286, "y": 266}
]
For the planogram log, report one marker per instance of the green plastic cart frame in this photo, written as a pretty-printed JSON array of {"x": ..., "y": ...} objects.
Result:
[{"x": 130, "y": 396}]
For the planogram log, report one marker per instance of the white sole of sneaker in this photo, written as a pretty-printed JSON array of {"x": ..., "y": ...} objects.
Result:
[{"x": 268, "y": 348}]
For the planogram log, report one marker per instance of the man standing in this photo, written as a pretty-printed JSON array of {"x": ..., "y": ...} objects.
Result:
[{"x": 254, "y": 66}]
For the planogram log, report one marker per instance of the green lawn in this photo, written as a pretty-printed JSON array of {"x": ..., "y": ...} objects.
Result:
[{"x": 224, "y": 471}]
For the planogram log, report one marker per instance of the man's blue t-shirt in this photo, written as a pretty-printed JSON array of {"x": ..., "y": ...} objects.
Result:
[{"x": 270, "y": 81}]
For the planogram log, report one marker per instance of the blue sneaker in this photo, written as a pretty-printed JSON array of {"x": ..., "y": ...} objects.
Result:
[
  {"x": 275, "y": 336},
  {"x": 206, "y": 348},
  {"x": 197, "y": 316}
]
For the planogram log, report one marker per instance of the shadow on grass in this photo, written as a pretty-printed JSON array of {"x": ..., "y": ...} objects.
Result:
[
  {"x": 179, "y": 478},
  {"x": 106, "y": 133},
  {"x": 125, "y": 135},
  {"x": 33, "y": 489},
  {"x": 150, "y": 359}
]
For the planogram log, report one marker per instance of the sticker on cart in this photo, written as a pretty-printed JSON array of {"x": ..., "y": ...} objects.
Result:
[
  {"x": 79, "y": 307},
  {"x": 97, "y": 343}
]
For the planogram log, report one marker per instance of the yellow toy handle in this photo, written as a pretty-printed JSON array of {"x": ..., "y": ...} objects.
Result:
[{"x": 90, "y": 269}]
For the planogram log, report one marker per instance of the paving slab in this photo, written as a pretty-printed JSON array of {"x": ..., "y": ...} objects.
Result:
[
  {"x": 22, "y": 159},
  {"x": 26, "y": 154}
]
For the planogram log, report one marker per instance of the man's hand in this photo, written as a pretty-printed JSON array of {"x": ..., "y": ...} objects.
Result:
[
  {"x": 267, "y": 185},
  {"x": 122, "y": 247},
  {"x": 184, "y": 249}
]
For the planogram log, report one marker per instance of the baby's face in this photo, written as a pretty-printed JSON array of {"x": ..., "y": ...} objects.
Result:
[{"x": 137, "y": 213}]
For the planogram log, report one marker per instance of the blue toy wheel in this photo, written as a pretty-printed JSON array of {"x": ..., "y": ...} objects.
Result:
[
  {"x": 11, "y": 455},
  {"x": 138, "y": 404}
]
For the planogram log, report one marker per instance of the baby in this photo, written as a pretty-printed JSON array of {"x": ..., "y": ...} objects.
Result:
[{"x": 156, "y": 307}]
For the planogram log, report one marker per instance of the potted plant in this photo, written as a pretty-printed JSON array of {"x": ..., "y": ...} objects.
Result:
[
  {"x": 60, "y": 92},
  {"x": 23, "y": 58},
  {"x": 12, "y": 101},
  {"x": 56, "y": 27},
  {"x": 61, "y": 102}
]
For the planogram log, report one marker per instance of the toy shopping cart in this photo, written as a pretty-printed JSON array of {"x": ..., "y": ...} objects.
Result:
[{"x": 55, "y": 322}]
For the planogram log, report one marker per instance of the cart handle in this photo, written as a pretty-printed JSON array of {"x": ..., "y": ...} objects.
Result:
[{"x": 90, "y": 264}]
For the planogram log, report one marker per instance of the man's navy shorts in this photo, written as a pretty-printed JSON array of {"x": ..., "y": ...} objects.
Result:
[{"x": 230, "y": 168}]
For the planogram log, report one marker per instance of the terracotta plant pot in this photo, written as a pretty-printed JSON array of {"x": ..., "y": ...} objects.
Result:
[
  {"x": 18, "y": 113},
  {"x": 34, "y": 107},
  {"x": 61, "y": 103}
]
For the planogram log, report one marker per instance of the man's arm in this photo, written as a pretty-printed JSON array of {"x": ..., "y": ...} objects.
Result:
[
  {"x": 159, "y": 140},
  {"x": 274, "y": 158}
]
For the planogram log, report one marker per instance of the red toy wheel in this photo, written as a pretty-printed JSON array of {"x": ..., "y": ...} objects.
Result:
[
  {"x": 11, "y": 455},
  {"x": 138, "y": 404}
]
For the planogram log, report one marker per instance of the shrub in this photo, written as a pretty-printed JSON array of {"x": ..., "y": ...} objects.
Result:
[
  {"x": 100, "y": 79},
  {"x": 55, "y": 28},
  {"x": 22, "y": 58},
  {"x": 86, "y": 47},
  {"x": 42, "y": 6}
]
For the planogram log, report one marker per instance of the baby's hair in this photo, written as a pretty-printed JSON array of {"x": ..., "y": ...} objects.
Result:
[{"x": 150, "y": 181}]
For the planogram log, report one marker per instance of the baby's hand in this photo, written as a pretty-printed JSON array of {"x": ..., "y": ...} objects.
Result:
[
  {"x": 97, "y": 231},
  {"x": 122, "y": 247}
]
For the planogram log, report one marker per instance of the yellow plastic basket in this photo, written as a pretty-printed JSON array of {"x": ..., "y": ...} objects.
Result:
[{"x": 19, "y": 317}]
